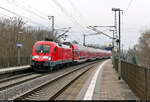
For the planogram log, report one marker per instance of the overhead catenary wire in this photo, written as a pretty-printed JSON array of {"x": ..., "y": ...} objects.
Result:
[
  {"x": 100, "y": 32},
  {"x": 84, "y": 20},
  {"x": 72, "y": 18},
  {"x": 27, "y": 10},
  {"x": 18, "y": 15},
  {"x": 10, "y": 11},
  {"x": 67, "y": 14},
  {"x": 29, "y": 5},
  {"x": 36, "y": 10},
  {"x": 124, "y": 14},
  {"x": 24, "y": 3},
  {"x": 77, "y": 11},
  {"x": 129, "y": 5},
  {"x": 4, "y": 15}
]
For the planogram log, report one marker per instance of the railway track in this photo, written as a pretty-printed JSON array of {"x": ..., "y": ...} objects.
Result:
[
  {"x": 29, "y": 85},
  {"x": 10, "y": 82},
  {"x": 19, "y": 79},
  {"x": 12, "y": 75},
  {"x": 52, "y": 89},
  {"x": 15, "y": 77}
]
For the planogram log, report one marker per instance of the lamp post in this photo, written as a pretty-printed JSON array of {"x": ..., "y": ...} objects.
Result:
[
  {"x": 19, "y": 45},
  {"x": 119, "y": 40},
  {"x": 84, "y": 40},
  {"x": 113, "y": 47},
  {"x": 52, "y": 17}
]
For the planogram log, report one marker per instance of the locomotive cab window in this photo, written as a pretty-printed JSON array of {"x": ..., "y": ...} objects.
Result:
[{"x": 42, "y": 48}]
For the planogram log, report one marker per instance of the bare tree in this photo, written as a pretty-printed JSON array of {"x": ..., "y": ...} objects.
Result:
[
  {"x": 9, "y": 32},
  {"x": 130, "y": 55},
  {"x": 143, "y": 49}
]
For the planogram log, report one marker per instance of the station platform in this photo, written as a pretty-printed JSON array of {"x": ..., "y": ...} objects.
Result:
[
  {"x": 13, "y": 69},
  {"x": 103, "y": 84}
]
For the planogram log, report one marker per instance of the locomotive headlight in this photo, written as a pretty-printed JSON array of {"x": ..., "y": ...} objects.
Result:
[
  {"x": 47, "y": 57},
  {"x": 33, "y": 57}
]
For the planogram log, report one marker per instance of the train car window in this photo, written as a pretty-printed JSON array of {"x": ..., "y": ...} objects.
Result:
[
  {"x": 76, "y": 53},
  {"x": 42, "y": 48},
  {"x": 54, "y": 50}
]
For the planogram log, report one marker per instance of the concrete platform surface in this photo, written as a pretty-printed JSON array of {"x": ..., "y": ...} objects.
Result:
[
  {"x": 13, "y": 69},
  {"x": 111, "y": 88},
  {"x": 103, "y": 84}
]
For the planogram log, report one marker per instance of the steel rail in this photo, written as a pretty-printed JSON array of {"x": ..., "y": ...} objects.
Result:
[{"x": 31, "y": 92}]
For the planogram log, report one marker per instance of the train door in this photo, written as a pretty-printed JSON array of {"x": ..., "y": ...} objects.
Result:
[
  {"x": 60, "y": 54},
  {"x": 54, "y": 54}
]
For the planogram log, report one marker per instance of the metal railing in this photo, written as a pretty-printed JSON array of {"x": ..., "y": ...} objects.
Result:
[{"x": 137, "y": 78}]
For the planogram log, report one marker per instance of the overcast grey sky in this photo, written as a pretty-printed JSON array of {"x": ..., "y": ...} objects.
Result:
[{"x": 81, "y": 13}]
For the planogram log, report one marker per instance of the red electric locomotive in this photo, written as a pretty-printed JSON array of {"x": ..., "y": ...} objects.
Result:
[{"x": 46, "y": 55}]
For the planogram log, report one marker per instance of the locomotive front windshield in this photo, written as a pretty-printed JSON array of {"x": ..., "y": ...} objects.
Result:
[{"x": 42, "y": 48}]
